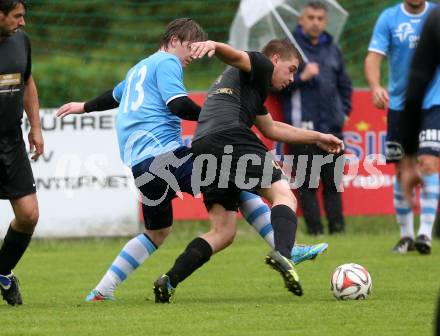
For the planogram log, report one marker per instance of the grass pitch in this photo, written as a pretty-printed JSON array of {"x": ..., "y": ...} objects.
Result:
[{"x": 234, "y": 294}]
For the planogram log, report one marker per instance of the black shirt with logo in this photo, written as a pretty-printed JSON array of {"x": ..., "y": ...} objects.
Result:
[
  {"x": 15, "y": 70},
  {"x": 236, "y": 98}
]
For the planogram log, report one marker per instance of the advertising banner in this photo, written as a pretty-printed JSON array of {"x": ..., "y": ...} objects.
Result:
[
  {"x": 367, "y": 181},
  {"x": 85, "y": 190}
]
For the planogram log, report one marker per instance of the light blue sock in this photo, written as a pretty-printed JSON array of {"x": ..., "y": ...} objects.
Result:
[
  {"x": 429, "y": 196},
  {"x": 257, "y": 214},
  {"x": 404, "y": 212},
  {"x": 132, "y": 255}
]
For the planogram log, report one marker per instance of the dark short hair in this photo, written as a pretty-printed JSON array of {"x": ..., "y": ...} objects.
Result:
[
  {"x": 316, "y": 5},
  {"x": 284, "y": 48},
  {"x": 8, "y": 5},
  {"x": 185, "y": 29}
]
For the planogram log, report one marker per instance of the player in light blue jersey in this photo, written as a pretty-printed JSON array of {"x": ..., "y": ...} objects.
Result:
[
  {"x": 148, "y": 130},
  {"x": 396, "y": 35},
  {"x": 152, "y": 100}
]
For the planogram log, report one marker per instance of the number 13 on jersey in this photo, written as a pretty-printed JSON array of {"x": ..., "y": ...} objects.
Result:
[{"x": 135, "y": 98}]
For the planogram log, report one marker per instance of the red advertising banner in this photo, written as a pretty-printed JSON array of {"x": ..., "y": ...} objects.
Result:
[{"x": 367, "y": 181}]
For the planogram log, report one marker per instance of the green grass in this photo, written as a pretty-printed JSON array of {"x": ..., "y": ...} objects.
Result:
[{"x": 234, "y": 294}]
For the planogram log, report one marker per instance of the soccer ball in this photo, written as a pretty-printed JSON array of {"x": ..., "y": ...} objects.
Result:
[{"x": 351, "y": 282}]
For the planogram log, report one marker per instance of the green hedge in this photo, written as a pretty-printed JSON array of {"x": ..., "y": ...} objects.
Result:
[{"x": 81, "y": 48}]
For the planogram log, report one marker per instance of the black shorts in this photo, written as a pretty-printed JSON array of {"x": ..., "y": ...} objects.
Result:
[
  {"x": 16, "y": 178},
  {"x": 393, "y": 147},
  {"x": 429, "y": 136},
  {"x": 156, "y": 192},
  {"x": 230, "y": 161}
]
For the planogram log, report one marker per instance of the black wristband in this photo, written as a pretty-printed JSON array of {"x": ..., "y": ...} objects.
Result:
[{"x": 103, "y": 102}]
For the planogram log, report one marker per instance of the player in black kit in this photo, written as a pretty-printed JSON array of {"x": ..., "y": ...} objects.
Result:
[
  {"x": 424, "y": 65},
  {"x": 238, "y": 160},
  {"x": 17, "y": 92}
]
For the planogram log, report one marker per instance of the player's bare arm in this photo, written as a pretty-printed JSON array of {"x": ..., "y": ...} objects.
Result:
[
  {"x": 410, "y": 178},
  {"x": 71, "y": 108},
  {"x": 226, "y": 53},
  {"x": 103, "y": 102},
  {"x": 372, "y": 74},
  {"x": 280, "y": 131},
  {"x": 32, "y": 109}
]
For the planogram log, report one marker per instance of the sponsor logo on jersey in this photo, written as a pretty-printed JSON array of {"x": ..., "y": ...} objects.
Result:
[
  {"x": 406, "y": 32},
  {"x": 10, "y": 79},
  {"x": 403, "y": 31}
]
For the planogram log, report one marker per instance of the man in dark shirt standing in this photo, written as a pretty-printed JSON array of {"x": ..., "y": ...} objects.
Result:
[
  {"x": 319, "y": 99},
  {"x": 17, "y": 92}
]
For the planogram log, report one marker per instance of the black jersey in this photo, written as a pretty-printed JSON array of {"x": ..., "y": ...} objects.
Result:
[
  {"x": 425, "y": 64},
  {"x": 236, "y": 98},
  {"x": 15, "y": 69}
]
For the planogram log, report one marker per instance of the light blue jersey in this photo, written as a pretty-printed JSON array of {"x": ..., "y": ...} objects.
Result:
[
  {"x": 396, "y": 35},
  {"x": 144, "y": 124}
]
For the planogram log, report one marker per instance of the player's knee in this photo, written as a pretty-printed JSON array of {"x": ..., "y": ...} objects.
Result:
[
  {"x": 428, "y": 164},
  {"x": 285, "y": 196},
  {"x": 228, "y": 239},
  {"x": 288, "y": 200},
  {"x": 31, "y": 218},
  {"x": 28, "y": 220},
  {"x": 226, "y": 234},
  {"x": 158, "y": 236}
]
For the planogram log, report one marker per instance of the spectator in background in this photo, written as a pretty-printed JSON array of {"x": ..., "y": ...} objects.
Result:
[
  {"x": 319, "y": 99},
  {"x": 396, "y": 34}
]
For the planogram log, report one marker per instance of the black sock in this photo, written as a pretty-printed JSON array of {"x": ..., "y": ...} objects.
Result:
[
  {"x": 195, "y": 255},
  {"x": 284, "y": 229},
  {"x": 13, "y": 248}
]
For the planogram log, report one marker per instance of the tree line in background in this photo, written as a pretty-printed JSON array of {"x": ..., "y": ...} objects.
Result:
[{"x": 83, "y": 47}]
